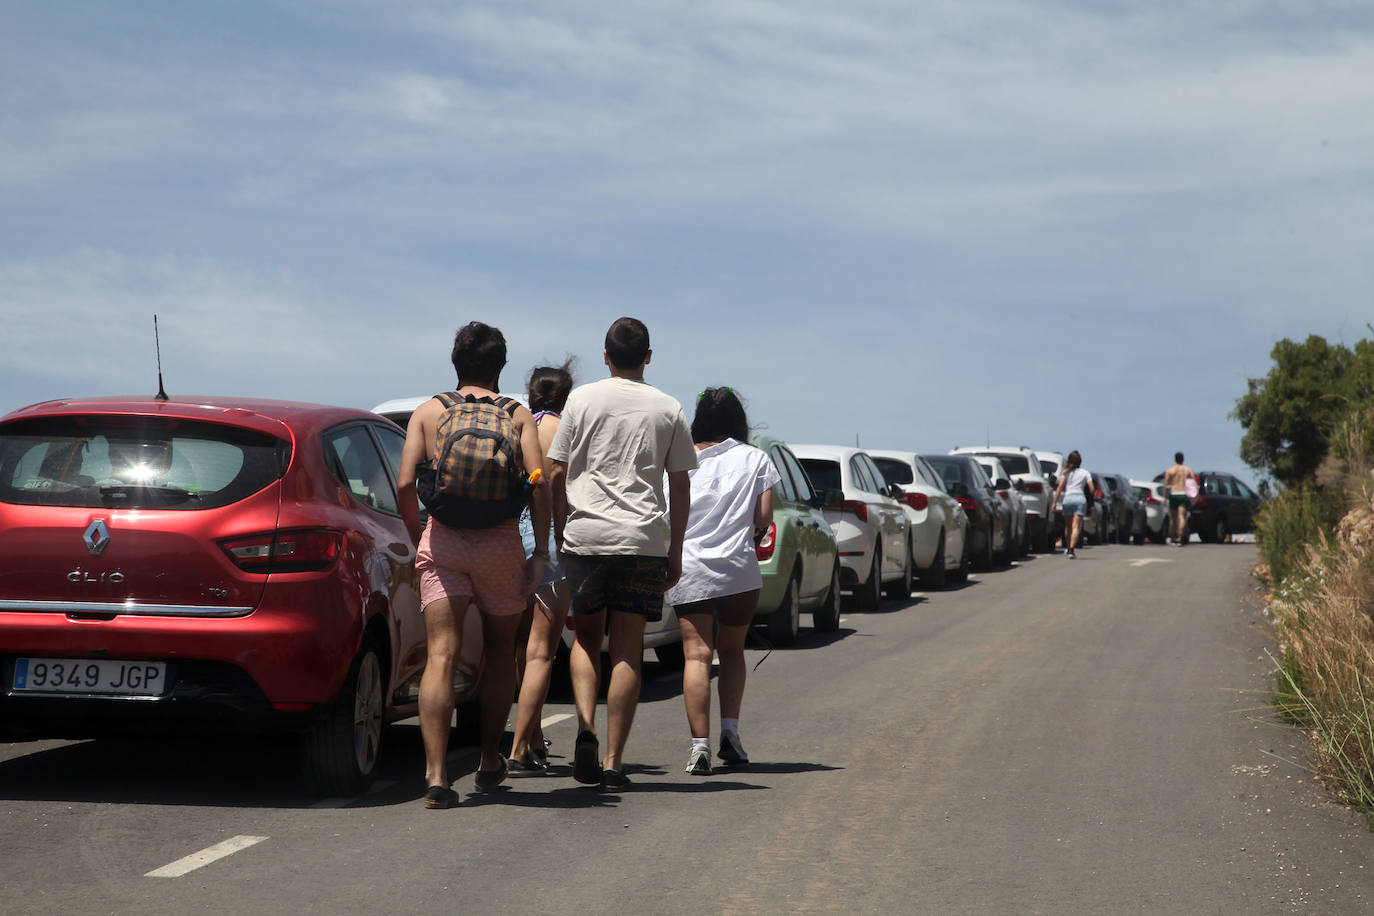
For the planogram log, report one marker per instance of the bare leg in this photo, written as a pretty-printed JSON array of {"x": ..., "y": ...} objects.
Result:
[
  {"x": 443, "y": 626},
  {"x": 585, "y": 667},
  {"x": 697, "y": 651},
  {"x": 1075, "y": 529},
  {"x": 498, "y": 684},
  {"x": 733, "y": 670},
  {"x": 622, "y": 698},
  {"x": 546, "y": 629}
]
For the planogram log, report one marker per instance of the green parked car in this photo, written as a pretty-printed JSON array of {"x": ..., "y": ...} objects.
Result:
[{"x": 797, "y": 555}]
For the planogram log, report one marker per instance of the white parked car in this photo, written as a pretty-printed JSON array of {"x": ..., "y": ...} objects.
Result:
[
  {"x": 938, "y": 523},
  {"x": 1031, "y": 481},
  {"x": 663, "y": 635},
  {"x": 871, "y": 527},
  {"x": 1020, "y": 543},
  {"x": 1155, "y": 498}
]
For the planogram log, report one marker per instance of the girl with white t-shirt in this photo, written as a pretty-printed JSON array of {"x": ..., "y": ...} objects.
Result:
[
  {"x": 1071, "y": 484},
  {"x": 719, "y": 589}
]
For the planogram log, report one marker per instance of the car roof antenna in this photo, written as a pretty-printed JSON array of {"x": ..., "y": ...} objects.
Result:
[{"x": 161, "y": 392}]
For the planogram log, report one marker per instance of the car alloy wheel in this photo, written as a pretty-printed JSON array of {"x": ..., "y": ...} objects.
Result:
[
  {"x": 785, "y": 622},
  {"x": 340, "y": 749},
  {"x": 935, "y": 576},
  {"x": 901, "y": 589},
  {"x": 870, "y": 592}
]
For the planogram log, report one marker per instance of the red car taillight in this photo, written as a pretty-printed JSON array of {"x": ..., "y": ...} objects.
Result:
[
  {"x": 1034, "y": 487},
  {"x": 917, "y": 501},
  {"x": 968, "y": 502},
  {"x": 1201, "y": 501},
  {"x": 765, "y": 547},
  {"x": 1097, "y": 494},
  {"x": 301, "y": 550},
  {"x": 858, "y": 507}
]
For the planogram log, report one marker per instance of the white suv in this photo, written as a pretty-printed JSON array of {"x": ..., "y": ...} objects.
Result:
[{"x": 1031, "y": 480}]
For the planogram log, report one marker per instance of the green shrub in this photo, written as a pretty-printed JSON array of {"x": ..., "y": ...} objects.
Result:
[{"x": 1292, "y": 521}]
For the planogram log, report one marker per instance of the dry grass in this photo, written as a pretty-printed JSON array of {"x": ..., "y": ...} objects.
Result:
[{"x": 1323, "y": 612}]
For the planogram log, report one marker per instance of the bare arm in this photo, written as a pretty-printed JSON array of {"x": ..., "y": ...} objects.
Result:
[
  {"x": 532, "y": 457},
  {"x": 415, "y": 451},
  {"x": 763, "y": 509},
  {"x": 679, "y": 505},
  {"x": 558, "y": 487}
]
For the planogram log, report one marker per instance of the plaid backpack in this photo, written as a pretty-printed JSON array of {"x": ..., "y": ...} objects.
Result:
[{"x": 475, "y": 480}]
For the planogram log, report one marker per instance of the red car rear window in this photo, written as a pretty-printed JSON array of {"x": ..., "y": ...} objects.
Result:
[{"x": 134, "y": 462}]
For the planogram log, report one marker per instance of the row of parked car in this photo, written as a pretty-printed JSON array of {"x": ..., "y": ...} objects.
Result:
[{"x": 225, "y": 564}]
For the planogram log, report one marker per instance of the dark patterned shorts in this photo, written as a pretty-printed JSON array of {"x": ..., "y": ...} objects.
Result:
[{"x": 611, "y": 582}]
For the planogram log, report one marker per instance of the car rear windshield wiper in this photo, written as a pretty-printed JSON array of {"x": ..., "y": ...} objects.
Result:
[{"x": 167, "y": 494}]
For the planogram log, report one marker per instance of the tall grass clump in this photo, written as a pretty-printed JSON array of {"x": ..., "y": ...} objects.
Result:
[{"x": 1318, "y": 545}]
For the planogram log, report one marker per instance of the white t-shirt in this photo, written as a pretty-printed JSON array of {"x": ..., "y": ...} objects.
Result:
[
  {"x": 1074, "y": 481},
  {"x": 718, "y": 557},
  {"x": 618, "y": 438}
]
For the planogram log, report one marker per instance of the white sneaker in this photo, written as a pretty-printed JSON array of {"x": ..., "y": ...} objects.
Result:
[
  {"x": 699, "y": 763},
  {"x": 731, "y": 751}
]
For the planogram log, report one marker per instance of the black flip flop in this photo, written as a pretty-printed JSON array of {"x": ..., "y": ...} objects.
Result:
[{"x": 486, "y": 780}]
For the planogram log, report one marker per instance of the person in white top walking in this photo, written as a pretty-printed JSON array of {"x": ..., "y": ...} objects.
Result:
[
  {"x": 719, "y": 590},
  {"x": 1075, "y": 505}
]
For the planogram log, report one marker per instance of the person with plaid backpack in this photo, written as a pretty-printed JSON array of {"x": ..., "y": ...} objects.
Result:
[{"x": 466, "y": 455}]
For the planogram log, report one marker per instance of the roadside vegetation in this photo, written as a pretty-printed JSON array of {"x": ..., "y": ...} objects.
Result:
[{"x": 1310, "y": 424}]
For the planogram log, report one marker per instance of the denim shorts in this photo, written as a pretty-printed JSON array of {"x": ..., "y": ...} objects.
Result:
[
  {"x": 552, "y": 572},
  {"x": 1075, "y": 504}
]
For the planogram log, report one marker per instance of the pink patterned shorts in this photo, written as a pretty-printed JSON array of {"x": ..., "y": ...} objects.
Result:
[{"x": 484, "y": 564}]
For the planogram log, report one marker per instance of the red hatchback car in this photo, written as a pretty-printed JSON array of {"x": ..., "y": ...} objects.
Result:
[{"x": 207, "y": 564}]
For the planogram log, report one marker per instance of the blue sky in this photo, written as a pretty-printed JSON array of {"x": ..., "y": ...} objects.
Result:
[{"x": 1073, "y": 224}]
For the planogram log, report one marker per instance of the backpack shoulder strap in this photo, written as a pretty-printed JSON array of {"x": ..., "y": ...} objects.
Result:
[
  {"x": 508, "y": 405},
  {"x": 447, "y": 398}
]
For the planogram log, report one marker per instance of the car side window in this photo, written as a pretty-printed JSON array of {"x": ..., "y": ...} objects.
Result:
[
  {"x": 393, "y": 443},
  {"x": 1243, "y": 490},
  {"x": 789, "y": 490},
  {"x": 799, "y": 478},
  {"x": 354, "y": 458},
  {"x": 856, "y": 474},
  {"x": 879, "y": 481}
]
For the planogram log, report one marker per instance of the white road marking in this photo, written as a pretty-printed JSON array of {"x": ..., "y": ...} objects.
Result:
[
  {"x": 205, "y": 857},
  {"x": 1146, "y": 561},
  {"x": 555, "y": 719}
]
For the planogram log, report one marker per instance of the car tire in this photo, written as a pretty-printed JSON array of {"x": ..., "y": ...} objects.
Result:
[
  {"x": 1041, "y": 541},
  {"x": 785, "y": 622},
  {"x": 1024, "y": 549},
  {"x": 901, "y": 589},
  {"x": 961, "y": 573},
  {"x": 935, "y": 577},
  {"x": 1218, "y": 531},
  {"x": 340, "y": 750},
  {"x": 986, "y": 557},
  {"x": 826, "y": 618},
  {"x": 869, "y": 594},
  {"x": 671, "y": 656}
]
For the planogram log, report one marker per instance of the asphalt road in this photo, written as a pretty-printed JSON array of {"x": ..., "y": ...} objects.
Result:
[{"x": 1060, "y": 737}]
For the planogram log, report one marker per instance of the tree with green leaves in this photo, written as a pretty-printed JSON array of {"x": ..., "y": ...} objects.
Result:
[{"x": 1290, "y": 415}]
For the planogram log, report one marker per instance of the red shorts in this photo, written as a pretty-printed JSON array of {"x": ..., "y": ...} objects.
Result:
[{"x": 484, "y": 564}]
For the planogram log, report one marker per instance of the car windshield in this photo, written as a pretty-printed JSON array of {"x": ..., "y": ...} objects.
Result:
[
  {"x": 824, "y": 473},
  {"x": 894, "y": 471},
  {"x": 134, "y": 462},
  {"x": 1142, "y": 492}
]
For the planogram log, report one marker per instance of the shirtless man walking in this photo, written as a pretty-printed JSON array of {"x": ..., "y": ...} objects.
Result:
[
  {"x": 462, "y": 567},
  {"x": 1176, "y": 479}
]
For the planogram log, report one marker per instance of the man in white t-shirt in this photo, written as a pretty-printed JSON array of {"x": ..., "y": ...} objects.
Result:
[{"x": 621, "y": 542}]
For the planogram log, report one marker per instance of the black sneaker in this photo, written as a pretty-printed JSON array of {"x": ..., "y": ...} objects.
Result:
[
  {"x": 614, "y": 780},
  {"x": 587, "y": 759}
]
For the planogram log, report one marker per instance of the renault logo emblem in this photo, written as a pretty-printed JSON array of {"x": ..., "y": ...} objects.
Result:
[{"x": 96, "y": 537}]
